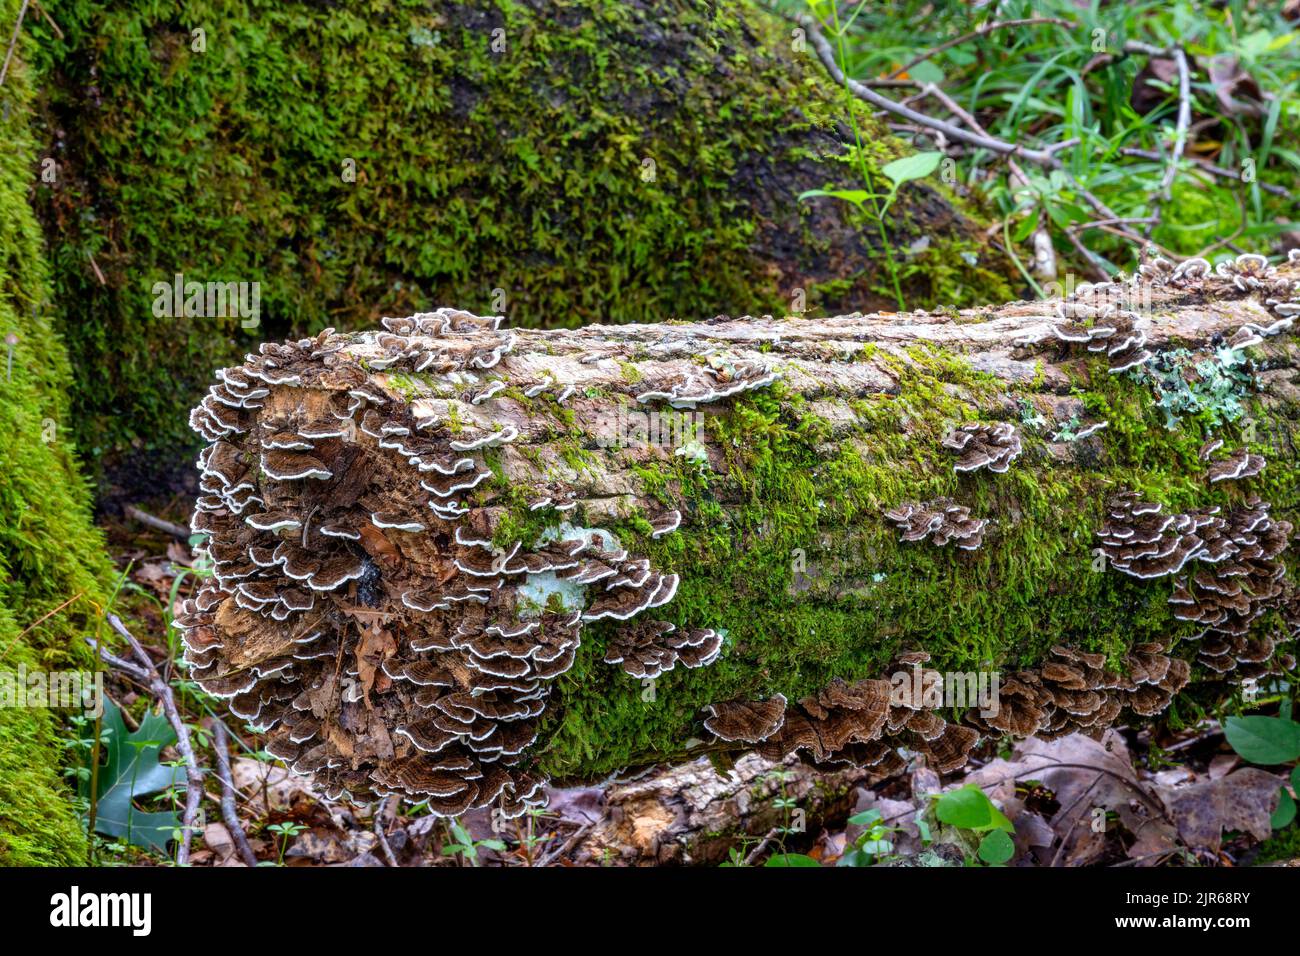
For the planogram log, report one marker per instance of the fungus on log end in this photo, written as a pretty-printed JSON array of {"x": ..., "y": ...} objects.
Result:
[{"x": 430, "y": 557}]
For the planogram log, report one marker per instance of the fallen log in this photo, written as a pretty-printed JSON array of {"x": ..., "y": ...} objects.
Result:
[{"x": 454, "y": 560}]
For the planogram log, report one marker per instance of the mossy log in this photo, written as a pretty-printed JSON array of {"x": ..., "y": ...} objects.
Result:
[
  {"x": 562, "y": 163},
  {"x": 454, "y": 559}
]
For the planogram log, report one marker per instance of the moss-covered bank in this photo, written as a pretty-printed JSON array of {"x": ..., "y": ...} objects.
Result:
[
  {"x": 561, "y": 163},
  {"x": 52, "y": 565}
]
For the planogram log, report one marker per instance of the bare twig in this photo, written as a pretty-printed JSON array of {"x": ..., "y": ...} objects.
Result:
[
  {"x": 13, "y": 42},
  {"x": 827, "y": 55},
  {"x": 975, "y": 34},
  {"x": 381, "y": 833},
  {"x": 763, "y": 844},
  {"x": 568, "y": 844},
  {"x": 220, "y": 743},
  {"x": 1204, "y": 166},
  {"x": 1101, "y": 223},
  {"x": 158, "y": 524},
  {"x": 1180, "y": 139},
  {"x": 1044, "y": 253},
  {"x": 1042, "y": 157},
  {"x": 1184, "y": 119},
  {"x": 44, "y": 617},
  {"x": 147, "y": 672},
  {"x": 49, "y": 19}
]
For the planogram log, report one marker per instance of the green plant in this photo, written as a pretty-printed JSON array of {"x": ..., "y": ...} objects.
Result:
[
  {"x": 873, "y": 844},
  {"x": 466, "y": 846},
  {"x": 900, "y": 171},
  {"x": 1270, "y": 741},
  {"x": 131, "y": 770},
  {"x": 969, "y": 808},
  {"x": 1066, "y": 82},
  {"x": 284, "y": 831}
]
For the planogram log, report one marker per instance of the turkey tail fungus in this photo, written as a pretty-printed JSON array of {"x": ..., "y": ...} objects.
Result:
[{"x": 438, "y": 575}]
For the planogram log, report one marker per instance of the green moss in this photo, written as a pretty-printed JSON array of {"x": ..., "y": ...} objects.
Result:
[
  {"x": 1283, "y": 845},
  {"x": 52, "y": 564},
  {"x": 507, "y": 180},
  {"x": 864, "y": 596}
]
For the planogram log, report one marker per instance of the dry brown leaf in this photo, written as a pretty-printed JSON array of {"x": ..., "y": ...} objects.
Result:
[{"x": 1243, "y": 800}]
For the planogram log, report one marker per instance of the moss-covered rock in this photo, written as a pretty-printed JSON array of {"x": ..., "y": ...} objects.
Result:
[
  {"x": 560, "y": 162},
  {"x": 52, "y": 564}
]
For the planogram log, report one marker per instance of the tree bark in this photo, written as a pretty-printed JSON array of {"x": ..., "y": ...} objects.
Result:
[{"x": 448, "y": 565}]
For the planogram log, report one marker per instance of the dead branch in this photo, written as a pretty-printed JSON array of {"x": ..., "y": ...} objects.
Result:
[{"x": 148, "y": 674}]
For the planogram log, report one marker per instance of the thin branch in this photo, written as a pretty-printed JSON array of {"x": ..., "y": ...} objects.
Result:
[
  {"x": 1044, "y": 253},
  {"x": 568, "y": 844},
  {"x": 975, "y": 34},
  {"x": 381, "y": 834},
  {"x": 1166, "y": 192},
  {"x": 158, "y": 524},
  {"x": 1184, "y": 119},
  {"x": 147, "y": 672},
  {"x": 49, "y": 19},
  {"x": 1203, "y": 166},
  {"x": 13, "y": 42},
  {"x": 220, "y": 743},
  {"x": 1045, "y": 157},
  {"x": 44, "y": 617},
  {"x": 1101, "y": 223},
  {"x": 827, "y": 55}
]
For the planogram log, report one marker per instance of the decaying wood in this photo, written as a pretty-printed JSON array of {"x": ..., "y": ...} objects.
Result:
[
  {"x": 693, "y": 815},
  {"x": 374, "y": 611}
]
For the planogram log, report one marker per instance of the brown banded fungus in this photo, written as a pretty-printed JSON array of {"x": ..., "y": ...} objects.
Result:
[
  {"x": 1237, "y": 466},
  {"x": 647, "y": 649},
  {"x": 980, "y": 445},
  {"x": 941, "y": 520},
  {"x": 360, "y": 612}
]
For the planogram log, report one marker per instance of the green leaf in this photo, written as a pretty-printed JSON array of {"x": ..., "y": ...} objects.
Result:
[
  {"x": 1263, "y": 740},
  {"x": 927, "y": 71},
  {"x": 790, "y": 859},
  {"x": 1026, "y": 226},
  {"x": 855, "y": 196},
  {"x": 969, "y": 808},
  {"x": 865, "y": 818},
  {"x": 131, "y": 771},
  {"x": 1285, "y": 811},
  {"x": 996, "y": 848},
  {"x": 916, "y": 166}
]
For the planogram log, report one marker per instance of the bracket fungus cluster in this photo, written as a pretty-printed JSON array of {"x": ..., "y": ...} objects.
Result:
[
  {"x": 717, "y": 380},
  {"x": 648, "y": 648},
  {"x": 1235, "y": 466},
  {"x": 1076, "y": 691},
  {"x": 1107, "y": 329},
  {"x": 873, "y": 723},
  {"x": 1093, "y": 314},
  {"x": 362, "y": 613},
  {"x": 1228, "y": 567},
  {"x": 864, "y": 723},
  {"x": 941, "y": 520},
  {"x": 981, "y": 445}
]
